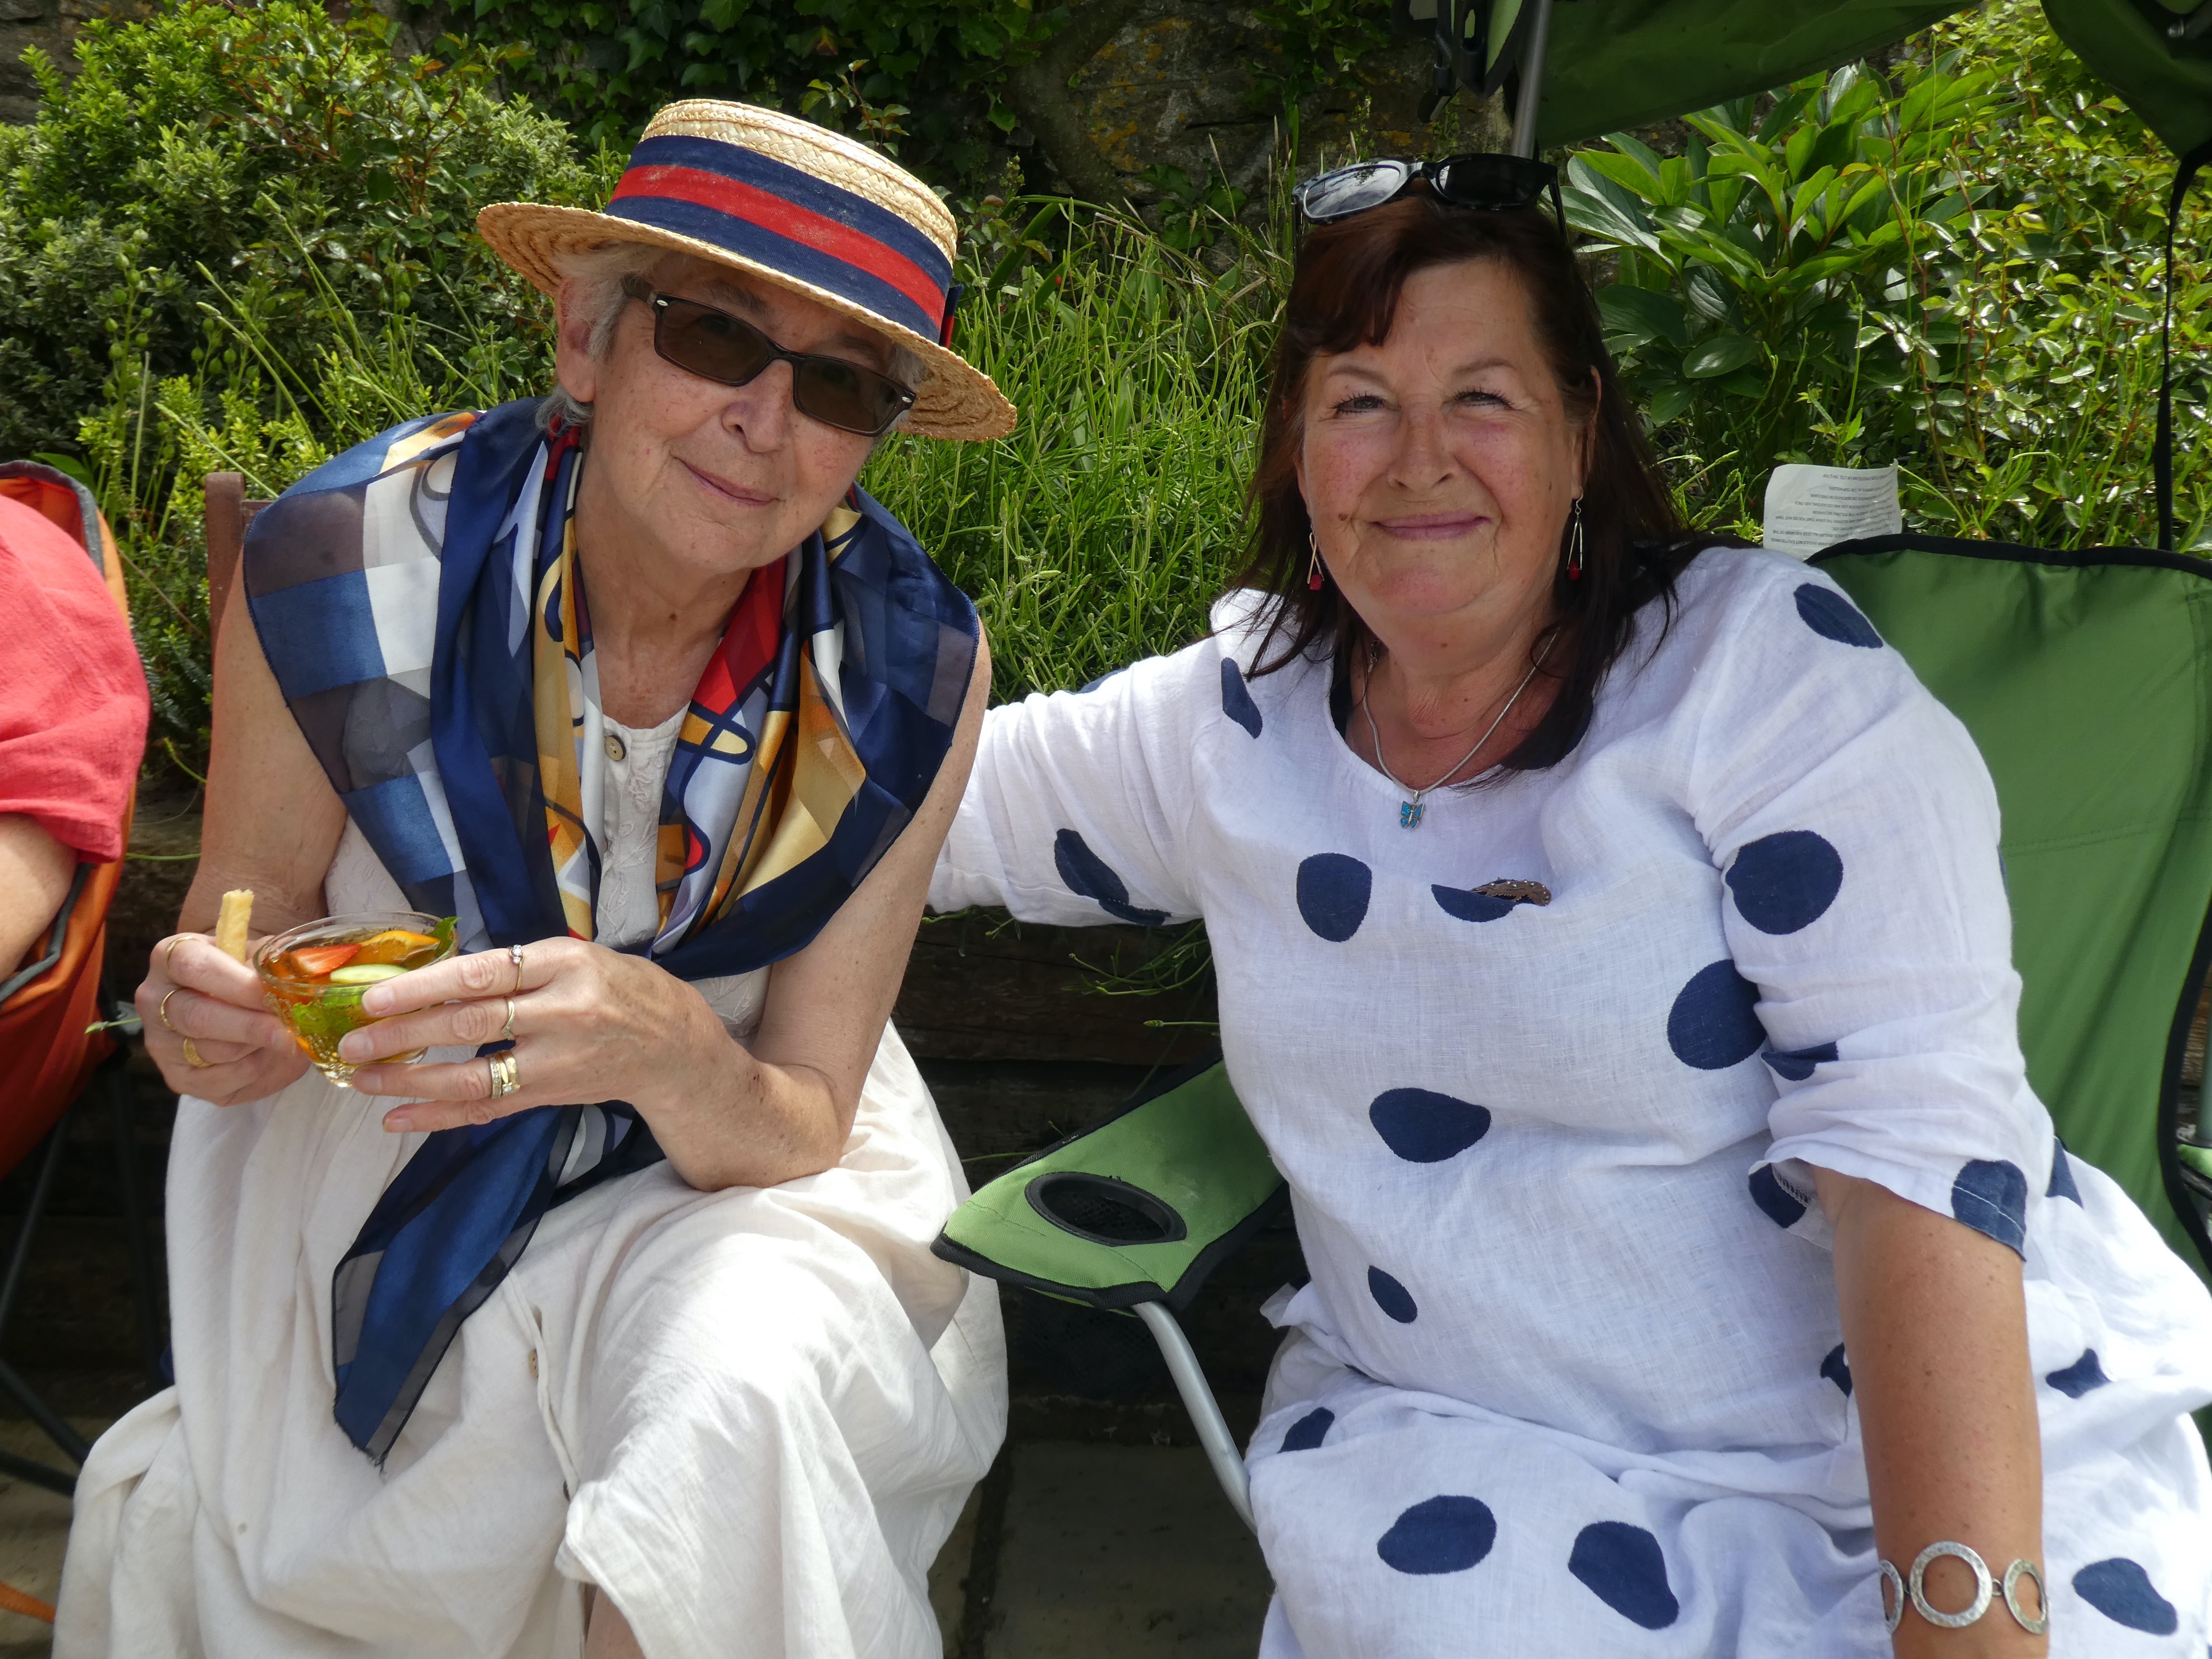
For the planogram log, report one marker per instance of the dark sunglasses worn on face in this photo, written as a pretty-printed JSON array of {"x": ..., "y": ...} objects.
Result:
[
  {"x": 729, "y": 350},
  {"x": 1493, "y": 183}
]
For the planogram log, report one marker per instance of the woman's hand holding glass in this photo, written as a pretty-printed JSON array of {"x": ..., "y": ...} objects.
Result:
[
  {"x": 195, "y": 993},
  {"x": 588, "y": 1023}
]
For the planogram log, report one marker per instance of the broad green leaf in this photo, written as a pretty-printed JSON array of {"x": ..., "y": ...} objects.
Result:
[
  {"x": 1668, "y": 403},
  {"x": 1639, "y": 152},
  {"x": 1723, "y": 353},
  {"x": 1645, "y": 313},
  {"x": 1709, "y": 296},
  {"x": 1626, "y": 171}
]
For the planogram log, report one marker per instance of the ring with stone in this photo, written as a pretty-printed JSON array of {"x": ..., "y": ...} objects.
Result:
[
  {"x": 506, "y": 1075},
  {"x": 515, "y": 956}
]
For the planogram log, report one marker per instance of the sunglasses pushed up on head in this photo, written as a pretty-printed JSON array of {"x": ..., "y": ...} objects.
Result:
[
  {"x": 729, "y": 350},
  {"x": 1484, "y": 183}
]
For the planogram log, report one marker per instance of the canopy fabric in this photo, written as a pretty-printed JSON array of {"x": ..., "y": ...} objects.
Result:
[{"x": 1618, "y": 64}]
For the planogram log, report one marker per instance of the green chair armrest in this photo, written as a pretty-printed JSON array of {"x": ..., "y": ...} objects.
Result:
[{"x": 1139, "y": 1208}]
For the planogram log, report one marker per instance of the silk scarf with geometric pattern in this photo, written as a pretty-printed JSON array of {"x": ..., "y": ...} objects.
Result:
[{"x": 419, "y": 602}]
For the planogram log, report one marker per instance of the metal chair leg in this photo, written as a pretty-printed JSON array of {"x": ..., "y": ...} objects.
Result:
[
  {"x": 42, "y": 1186},
  {"x": 1204, "y": 1411},
  {"x": 73, "y": 1445},
  {"x": 114, "y": 1080}
]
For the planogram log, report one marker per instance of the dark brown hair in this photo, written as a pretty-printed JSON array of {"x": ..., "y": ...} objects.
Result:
[{"x": 1344, "y": 293}]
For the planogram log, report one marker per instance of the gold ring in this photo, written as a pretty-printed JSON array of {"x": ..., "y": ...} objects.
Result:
[
  {"x": 162, "y": 1013},
  {"x": 515, "y": 956},
  {"x": 170, "y": 950},
  {"x": 506, "y": 1031},
  {"x": 192, "y": 1057},
  {"x": 506, "y": 1075}
]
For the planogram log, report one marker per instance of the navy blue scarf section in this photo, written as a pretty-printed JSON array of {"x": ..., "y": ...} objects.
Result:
[{"x": 457, "y": 1216}]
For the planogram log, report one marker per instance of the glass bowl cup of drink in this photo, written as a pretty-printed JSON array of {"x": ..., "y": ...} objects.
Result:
[{"x": 313, "y": 977}]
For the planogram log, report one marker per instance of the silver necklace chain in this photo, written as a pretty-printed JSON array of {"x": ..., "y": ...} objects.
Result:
[{"x": 1409, "y": 814}]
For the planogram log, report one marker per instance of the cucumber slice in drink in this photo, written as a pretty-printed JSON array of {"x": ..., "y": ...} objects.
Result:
[{"x": 365, "y": 973}]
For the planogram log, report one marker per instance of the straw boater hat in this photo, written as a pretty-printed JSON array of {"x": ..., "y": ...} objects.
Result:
[{"x": 794, "y": 205}]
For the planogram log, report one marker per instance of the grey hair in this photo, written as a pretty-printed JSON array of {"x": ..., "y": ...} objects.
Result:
[{"x": 612, "y": 274}]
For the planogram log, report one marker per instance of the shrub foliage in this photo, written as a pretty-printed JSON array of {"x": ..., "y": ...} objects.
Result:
[{"x": 258, "y": 150}]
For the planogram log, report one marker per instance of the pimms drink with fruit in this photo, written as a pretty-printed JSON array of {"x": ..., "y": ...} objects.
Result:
[{"x": 314, "y": 976}]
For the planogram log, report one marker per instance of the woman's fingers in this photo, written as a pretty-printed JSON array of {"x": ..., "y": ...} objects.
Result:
[
  {"x": 196, "y": 965},
  {"x": 187, "y": 1014},
  {"x": 446, "y": 1025},
  {"x": 458, "y": 979},
  {"x": 445, "y": 1096}
]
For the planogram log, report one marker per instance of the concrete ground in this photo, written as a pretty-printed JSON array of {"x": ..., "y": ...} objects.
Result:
[
  {"x": 1070, "y": 1551},
  {"x": 34, "y": 1527}
]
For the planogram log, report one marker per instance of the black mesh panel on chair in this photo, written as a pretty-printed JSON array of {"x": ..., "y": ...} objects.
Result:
[{"x": 1103, "y": 1210}]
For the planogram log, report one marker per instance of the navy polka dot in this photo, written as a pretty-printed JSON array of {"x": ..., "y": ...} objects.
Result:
[
  {"x": 1623, "y": 1567},
  {"x": 1837, "y": 1369},
  {"x": 1783, "y": 1207},
  {"x": 1423, "y": 1127},
  {"x": 1784, "y": 881},
  {"x": 1391, "y": 1296},
  {"x": 1439, "y": 1534},
  {"x": 1332, "y": 893},
  {"x": 1990, "y": 1196},
  {"x": 1798, "y": 1064},
  {"x": 1463, "y": 906},
  {"x": 2061, "y": 1174},
  {"x": 2078, "y": 1378},
  {"x": 2123, "y": 1592},
  {"x": 1236, "y": 701},
  {"x": 1833, "y": 616},
  {"x": 1309, "y": 1430},
  {"x": 1089, "y": 877},
  {"x": 1713, "y": 1025}
]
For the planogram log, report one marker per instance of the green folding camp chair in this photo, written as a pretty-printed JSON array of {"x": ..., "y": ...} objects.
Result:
[{"x": 2086, "y": 680}]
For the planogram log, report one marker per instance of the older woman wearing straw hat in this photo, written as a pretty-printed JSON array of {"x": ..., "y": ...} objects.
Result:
[{"x": 611, "y": 1327}]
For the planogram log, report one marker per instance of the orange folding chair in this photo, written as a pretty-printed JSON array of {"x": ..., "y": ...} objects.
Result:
[{"x": 53, "y": 1057}]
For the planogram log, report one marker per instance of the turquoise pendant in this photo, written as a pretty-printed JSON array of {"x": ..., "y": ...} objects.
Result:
[{"x": 1409, "y": 814}]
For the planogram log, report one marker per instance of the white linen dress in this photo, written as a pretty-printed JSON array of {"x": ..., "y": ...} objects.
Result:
[
  {"x": 1569, "y": 1377},
  {"x": 750, "y": 1416}
]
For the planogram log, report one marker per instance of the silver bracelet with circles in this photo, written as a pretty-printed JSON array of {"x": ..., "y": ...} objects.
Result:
[{"x": 1898, "y": 1589}]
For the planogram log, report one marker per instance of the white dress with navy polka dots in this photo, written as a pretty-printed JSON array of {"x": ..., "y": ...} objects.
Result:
[{"x": 1569, "y": 1375}]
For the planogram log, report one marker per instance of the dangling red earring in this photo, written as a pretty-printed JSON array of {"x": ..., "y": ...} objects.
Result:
[
  {"x": 1313, "y": 569},
  {"x": 1574, "y": 542}
]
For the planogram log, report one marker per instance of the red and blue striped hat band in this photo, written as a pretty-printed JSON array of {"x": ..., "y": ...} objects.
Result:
[{"x": 793, "y": 203}]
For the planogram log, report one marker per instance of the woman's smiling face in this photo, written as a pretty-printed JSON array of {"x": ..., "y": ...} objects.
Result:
[
  {"x": 722, "y": 478},
  {"x": 1438, "y": 467}
]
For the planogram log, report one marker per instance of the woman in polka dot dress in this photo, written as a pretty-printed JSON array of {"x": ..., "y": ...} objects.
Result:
[{"x": 1685, "y": 1238}]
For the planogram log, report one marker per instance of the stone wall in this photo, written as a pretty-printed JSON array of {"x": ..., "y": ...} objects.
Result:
[{"x": 52, "y": 27}]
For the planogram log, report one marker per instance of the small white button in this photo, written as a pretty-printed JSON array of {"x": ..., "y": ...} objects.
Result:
[{"x": 614, "y": 749}]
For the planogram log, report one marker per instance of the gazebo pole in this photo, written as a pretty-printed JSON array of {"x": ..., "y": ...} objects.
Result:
[{"x": 1532, "y": 80}]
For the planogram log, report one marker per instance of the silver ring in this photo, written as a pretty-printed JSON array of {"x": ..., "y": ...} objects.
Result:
[
  {"x": 506, "y": 1079},
  {"x": 2021, "y": 1568},
  {"x": 506, "y": 1031},
  {"x": 1893, "y": 1603},
  {"x": 515, "y": 956},
  {"x": 1983, "y": 1589}
]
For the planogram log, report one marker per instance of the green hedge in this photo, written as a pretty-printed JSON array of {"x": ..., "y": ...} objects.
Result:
[{"x": 256, "y": 153}]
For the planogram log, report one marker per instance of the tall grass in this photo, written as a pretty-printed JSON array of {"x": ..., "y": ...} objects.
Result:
[{"x": 1100, "y": 530}]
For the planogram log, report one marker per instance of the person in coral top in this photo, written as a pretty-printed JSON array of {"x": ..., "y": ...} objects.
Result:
[{"x": 73, "y": 710}]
